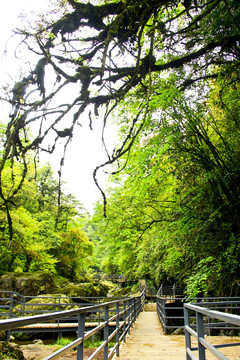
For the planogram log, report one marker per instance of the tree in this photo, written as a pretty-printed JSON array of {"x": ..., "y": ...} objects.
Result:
[
  {"x": 36, "y": 242},
  {"x": 73, "y": 254},
  {"x": 150, "y": 63},
  {"x": 103, "y": 51},
  {"x": 174, "y": 210}
]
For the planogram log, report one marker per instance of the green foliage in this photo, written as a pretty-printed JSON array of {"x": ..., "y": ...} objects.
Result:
[
  {"x": 63, "y": 341},
  {"x": 73, "y": 253},
  {"x": 173, "y": 215},
  {"x": 170, "y": 73},
  {"x": 45, "y": 236},
  {"x": 205, "y": 274}
]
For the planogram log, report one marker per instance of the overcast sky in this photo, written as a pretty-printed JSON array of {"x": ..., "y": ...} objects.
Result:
[{"x": 85, "y": 151}]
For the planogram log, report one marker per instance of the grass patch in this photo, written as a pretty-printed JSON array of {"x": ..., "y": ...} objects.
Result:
[
  {"x": 63, "y": 341},
  {"x": 88, "y": 344}
]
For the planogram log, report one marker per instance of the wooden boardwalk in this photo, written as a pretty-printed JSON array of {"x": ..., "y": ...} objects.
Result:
[{"x": 147, "y": 340}]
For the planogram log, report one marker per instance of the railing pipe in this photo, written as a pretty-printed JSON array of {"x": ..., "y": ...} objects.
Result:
[
  {"x": 129, "y": 308},
  {"x": 199, "y": 335}
]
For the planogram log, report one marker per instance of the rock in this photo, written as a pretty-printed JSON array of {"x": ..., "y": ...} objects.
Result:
[
  {"x": 79, "y": 290},
  {"x": 10, "y": 351},
  {"x": 38, "y": 341},
  {"x": 30, "y": 284},
  {"x": 47, "y": 303},
  {"x": 39, "y": 283},
  {"x": 179, "y": 331}
]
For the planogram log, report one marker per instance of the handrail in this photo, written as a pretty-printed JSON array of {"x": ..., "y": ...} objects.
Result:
[
  {"x": 10, "y": 299},
  {"x": 199, "y": 334},
  {"x": 171, "y": 314},
  {"x": 124, "y": 319},
  {"x": 15, "y": 305},
  {"x": 169, "y": 290}
]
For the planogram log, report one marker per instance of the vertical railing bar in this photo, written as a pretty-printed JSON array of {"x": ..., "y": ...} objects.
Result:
[
  {"x": 129, "y": 315},
  {"x": 200, "y": 334},
  {"x": 187, "y": 335},
  {"x": 23, "y": 305},
  {"x": 99, "y": 312},
  {"x": 117, "y": 327},
  {"x": 81, "y": 330},
  {"x": 10, "y": 313},
  {"x": 106, "y": 332},
  {"x": 124, "y": 321},
  {"x": 134, "y": 309},
  {"x": 164, "y": 316}
]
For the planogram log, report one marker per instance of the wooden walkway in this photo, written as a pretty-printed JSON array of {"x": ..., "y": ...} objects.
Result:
[{"x": 147, "y": 340}]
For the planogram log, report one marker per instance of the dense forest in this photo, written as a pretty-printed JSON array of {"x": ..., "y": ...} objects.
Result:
[
  {"x": 166, "y": 74},
  {"x": 46, "y": 236}
]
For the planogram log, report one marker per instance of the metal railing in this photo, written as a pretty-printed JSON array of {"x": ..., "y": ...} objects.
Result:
[
  {"x": 151, "y": 291},
  {"x": 123, "y": 312},
  {"x": 171, "y": 314},
  {"x": 200, "y": 314},
  {"x": 13, "y": 304},
  {"x": 169, "y": 290}
]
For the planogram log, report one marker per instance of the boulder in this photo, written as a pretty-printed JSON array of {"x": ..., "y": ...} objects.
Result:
[
  {"x": 31, "y": 284},
  {"x": 10, "y": 351}
]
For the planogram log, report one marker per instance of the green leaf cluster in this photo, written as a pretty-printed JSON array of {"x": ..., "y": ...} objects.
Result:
[
  {"x": 47, "y": 233},
  {"x": 173, "y": 214}
]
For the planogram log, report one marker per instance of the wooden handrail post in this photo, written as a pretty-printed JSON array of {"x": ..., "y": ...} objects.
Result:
[{"x": 81, "y": 330}]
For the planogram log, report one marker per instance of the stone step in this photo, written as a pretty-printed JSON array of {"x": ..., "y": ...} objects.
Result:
[{"x": 150, "y": 307}]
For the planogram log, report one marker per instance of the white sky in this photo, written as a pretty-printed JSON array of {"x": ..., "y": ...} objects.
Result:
[{"x": 85, "y": 152}]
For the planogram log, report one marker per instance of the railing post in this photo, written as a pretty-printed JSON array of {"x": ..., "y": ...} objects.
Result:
[
  {"x": 117, "y": 327},
  {"x": 81, "y": 330},
  {"x": 164, "y": 316},
  {"x": 59, "y": 304},
  {"x": 23, "y": 305},
  {"x": 134, "y": 309},
  {"x": 129, "y": 314},
  {"x": 99, "y": 312},
  {"x": 106, "y": 332},
  {"x": 200, "y": 334},
  {"x": 187, "y": 335},
  {"x": 10, "y": 313},
  {"x": 124, "y": 321},
  {"x": 8, "y": 335},
  {"x": 144, "y": 299}
]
